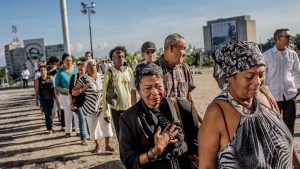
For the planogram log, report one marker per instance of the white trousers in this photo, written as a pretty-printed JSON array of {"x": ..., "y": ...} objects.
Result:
[{"x": 65, "y": 103}]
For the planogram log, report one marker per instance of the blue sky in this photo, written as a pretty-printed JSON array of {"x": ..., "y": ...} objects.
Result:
[{"x": 131, "y": 22}]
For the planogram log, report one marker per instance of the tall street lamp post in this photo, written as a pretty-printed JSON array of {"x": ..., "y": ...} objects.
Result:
[{"x": 89, "y": 10}]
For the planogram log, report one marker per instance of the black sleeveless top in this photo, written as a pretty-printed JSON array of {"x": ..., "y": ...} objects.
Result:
[{"x": 46, "y": 88}]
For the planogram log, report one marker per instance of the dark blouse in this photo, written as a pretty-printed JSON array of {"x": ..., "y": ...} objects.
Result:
[
  {"x": 46, "y": 89},
  {"x": 138, "y": 125}
]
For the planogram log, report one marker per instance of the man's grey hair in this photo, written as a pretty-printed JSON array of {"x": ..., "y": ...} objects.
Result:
[{"x": 173, "y": 39}]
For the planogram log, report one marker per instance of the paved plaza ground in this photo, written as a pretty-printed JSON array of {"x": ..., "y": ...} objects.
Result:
[{"x": 25, "y": 144}]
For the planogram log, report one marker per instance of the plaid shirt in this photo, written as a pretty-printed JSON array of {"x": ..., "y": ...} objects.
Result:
[{"x": 178, "y": 80}]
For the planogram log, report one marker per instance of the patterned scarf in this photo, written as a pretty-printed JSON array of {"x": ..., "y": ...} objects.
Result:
[{"x": 238, "y": 56}]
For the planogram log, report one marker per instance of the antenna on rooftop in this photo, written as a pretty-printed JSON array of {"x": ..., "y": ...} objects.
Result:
[{"x": 15, "y": 35}]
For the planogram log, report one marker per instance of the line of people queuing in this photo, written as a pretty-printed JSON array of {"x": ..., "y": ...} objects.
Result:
[{"x": 242, "y": 127}]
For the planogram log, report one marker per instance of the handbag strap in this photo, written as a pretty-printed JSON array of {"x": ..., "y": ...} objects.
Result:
[
  {"x": 175, "y": 103},
  {"x": 110, "y": 77},
  {"x": 75, "y": 79}
]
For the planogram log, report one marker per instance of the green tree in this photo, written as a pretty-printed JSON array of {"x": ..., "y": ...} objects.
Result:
[
  {"x": 189, "y": 59},
  {"x": 207, "y": 62},
  {"x": 2, "y": 72},
  {"x": 296, "y": 41},
  {"x": 267, "y": 45},
  {"x": 131, "y": 56}
]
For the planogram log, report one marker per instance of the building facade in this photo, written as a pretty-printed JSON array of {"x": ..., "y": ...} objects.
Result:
[
  {"x": 54, "y": 50},
  {"x": 34, "y": 51},
  {"x": 15, "y": 60},
  {"x": 219, "y": 32}
]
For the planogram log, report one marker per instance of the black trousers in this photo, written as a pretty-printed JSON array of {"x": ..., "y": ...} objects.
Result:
[
  {"x": 288, "y": 109},
  {"x": 25, "y": 83},
  {"x": 116, "y": 118}
]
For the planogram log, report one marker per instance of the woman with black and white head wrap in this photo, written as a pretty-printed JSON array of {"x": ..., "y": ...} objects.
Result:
[
  {"x": 242, "y": 126},
  {"x": 99, "y": 124}
]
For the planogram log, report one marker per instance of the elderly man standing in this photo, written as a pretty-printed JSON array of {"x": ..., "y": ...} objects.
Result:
[
  {"x": 282, "y": 65},
  {"x": 178, "y": 80}
]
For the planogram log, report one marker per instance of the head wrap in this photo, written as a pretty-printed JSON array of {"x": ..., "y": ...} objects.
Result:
[
  {"x": 89, "y": 61},
  {"x": 238, "y": 56},
  {"x": 146, "y": 69}
]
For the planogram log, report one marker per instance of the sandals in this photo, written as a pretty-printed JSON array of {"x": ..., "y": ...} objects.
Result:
[
  {"x": 109, "y": 148},
  {"x": 84, "y": 142},
  {"x": 97, "y": 149}
]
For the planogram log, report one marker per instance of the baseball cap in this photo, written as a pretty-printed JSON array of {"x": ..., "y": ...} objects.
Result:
[{"x": 148, "y": 46}]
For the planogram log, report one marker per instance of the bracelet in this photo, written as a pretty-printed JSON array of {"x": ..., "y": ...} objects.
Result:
[
  {"x": 154, "y": 157},
  {"x": 148, "y": 155}
]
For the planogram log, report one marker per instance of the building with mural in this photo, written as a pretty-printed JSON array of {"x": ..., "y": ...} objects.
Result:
[
  {"x": 221, "y": 31},
  {"x": 34, "y": 51}
]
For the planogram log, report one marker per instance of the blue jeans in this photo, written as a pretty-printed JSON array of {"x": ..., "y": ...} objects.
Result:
[
  {"x": 47, "y": 106},
  {"x": 82, "y": 123}
]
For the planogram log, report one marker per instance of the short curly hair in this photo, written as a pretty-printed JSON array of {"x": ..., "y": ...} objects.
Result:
[{"x": 120, "y": 48}]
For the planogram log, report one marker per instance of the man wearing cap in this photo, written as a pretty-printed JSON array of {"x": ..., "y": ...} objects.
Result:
[
  {"x": 178, "y": 80},
  {"x": 282, "y": 66},
  {"x": 148, "y": 50}
]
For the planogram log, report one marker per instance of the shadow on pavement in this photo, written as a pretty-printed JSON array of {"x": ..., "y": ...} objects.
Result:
[
  {"x": 109, "y": 165},
  {"x": 14, "y": 117},
  {"x": 21, "y": 129},
  {"x": 32, "y": 141},
  {"x": 52, "y": 159},
  {"x": 14, "y": 127},
  {"x": 27, "y": 150},
  {"x": 15, "y": 122},
  {"x": 19, "y": 111},
  {"x": 16, "y": 105},
  {"x": 297, "y": 116}
]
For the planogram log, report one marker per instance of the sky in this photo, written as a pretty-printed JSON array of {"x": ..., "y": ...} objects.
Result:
[{"x": 132, "y": 22}]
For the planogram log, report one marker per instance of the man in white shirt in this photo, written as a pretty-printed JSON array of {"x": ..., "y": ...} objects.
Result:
[
  {"x": 25, "y": 76},
  {"x": 282, "y": 66}
]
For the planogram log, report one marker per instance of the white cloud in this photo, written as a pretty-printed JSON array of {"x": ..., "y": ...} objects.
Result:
[{"x": 78, "y": 47}]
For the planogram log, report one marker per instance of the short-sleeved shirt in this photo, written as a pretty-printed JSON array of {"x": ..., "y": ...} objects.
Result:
[
  {"x": 62, "y": 79},
  {"x": 93, "y": 95},
  {"x": 178, "y": 80},
  {"x": 122, "y": 87}
]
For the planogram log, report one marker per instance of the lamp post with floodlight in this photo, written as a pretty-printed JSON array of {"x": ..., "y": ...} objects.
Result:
[{"x": 89, "y": 10}]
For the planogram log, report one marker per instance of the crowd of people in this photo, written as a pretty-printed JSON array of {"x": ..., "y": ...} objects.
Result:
[{"x": 250, "y": 124}]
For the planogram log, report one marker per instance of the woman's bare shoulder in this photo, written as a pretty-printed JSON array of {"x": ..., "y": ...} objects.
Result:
[{"x": 213, "y": 114}]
